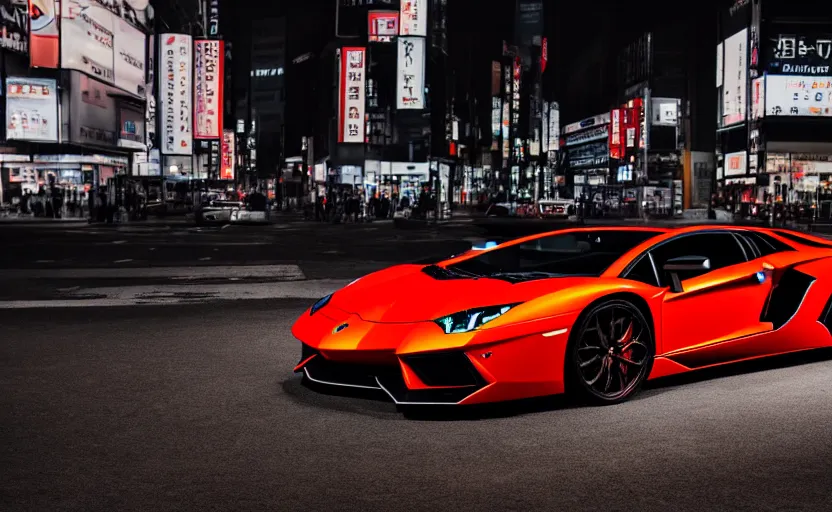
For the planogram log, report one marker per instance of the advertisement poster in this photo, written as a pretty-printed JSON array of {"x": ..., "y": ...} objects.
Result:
[
  {"x": 14, "y": 25},
  {"x": 808, "y": 54},
  {"x": 175, "y": 94},
  {"x": 382, "y": 26},
  {"x": 129, "y": 55},
  {"x": 351, "y": 114},
  {"x": 87, "y": 39},
  {"x": 665, "y": 111},
  {"x": 228, "y": 157},
  {"x": 736, "y": 77},
  {"x": 31, "y": 109},
  {"x": 410, "y": 85},
  {"x": 788, "y": 95},
  {"x": 208, "y": 89},
  {"x": 414, "y": 18},
  {"x": 43, "y": 34},
  {"x": 735, "y": 163}
]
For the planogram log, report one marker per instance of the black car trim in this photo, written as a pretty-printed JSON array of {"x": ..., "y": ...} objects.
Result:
[{"x": 782, "y": 304}]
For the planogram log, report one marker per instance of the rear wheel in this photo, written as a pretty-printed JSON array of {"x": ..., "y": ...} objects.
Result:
[{"x": 611, "y": 353}]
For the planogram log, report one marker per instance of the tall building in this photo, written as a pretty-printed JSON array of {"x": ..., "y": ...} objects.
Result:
[{"x": 268, "y": 91}]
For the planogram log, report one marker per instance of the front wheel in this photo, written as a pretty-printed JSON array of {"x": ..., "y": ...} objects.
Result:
[{"x": 610, "y": 353}]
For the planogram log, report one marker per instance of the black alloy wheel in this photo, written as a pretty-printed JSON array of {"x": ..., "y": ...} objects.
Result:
[{"x": 611, "y": 353}]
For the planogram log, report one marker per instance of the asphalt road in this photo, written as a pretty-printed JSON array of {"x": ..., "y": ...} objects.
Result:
[
  {"x": 195, "y": 408},
  {"x": 137, "y": 245}
]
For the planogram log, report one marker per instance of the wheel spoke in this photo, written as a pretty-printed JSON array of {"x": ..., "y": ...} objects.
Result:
[
  {"x": 631, "y": 343},
  {"x": 590, "y": 347},
  {"x": 622, "y": 377},
  {"x": 590, "y": 361},
  {"x": 628, "y": 361},
  {"x": 627, "y": 336},
  {"x": 601, "y": 337},
  {"x": 600, "y": 373},
  {"x": 609, "y": 375}
]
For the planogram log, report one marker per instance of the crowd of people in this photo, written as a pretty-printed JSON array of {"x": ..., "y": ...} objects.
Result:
[{"x": 348, "y": 205}]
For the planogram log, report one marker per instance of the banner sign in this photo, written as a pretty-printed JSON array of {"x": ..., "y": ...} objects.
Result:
[
  {"x": 413, "y": 20},
  {"x": 208, "y": 89},
  {"x": 352, "y": 80},
  {"x": 410, "y": 86},
  {"x": 228, "y": 159},
  {"x": 175, "y": 93}
]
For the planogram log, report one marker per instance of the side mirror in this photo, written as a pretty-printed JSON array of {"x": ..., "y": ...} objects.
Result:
[{"x": 684, "y": 264}]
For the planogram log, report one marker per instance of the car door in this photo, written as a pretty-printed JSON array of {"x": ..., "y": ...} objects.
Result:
[{"x": 715, "y": 304}]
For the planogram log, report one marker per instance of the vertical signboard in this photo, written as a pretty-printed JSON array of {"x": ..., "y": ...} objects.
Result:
[
  {"x": 554, "y": 126},
  {"x": 150, "y": 90},
  {"x": 351, "y": 96},
  {"x": 413, "y": 19},
  {"x": 410, "y": 83},
  {"x": 506, "y": 123},
  {"x": 43, "y": 34},
  {"x": 175, "y": 65},
  {"x": 213, "y": 18},
  {"x": 208, "y": 88},
  {"x": 736, "y": 78},
  {"x": 227, "y": 160},
  {"x": 758, "y": 98}
]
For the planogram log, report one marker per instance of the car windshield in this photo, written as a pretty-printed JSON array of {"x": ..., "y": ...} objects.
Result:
[{"x": 582, "y": 253}]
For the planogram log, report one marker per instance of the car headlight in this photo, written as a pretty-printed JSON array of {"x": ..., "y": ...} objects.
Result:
[
  {"x": 466, "y": 321},
  {"x": 318, "y": 305}
]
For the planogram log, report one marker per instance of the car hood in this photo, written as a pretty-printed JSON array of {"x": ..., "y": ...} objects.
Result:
[{"x": 405, "y": 294}]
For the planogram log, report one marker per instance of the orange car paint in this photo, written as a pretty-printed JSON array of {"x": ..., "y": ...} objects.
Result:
[{"x": 715, "y": 320}]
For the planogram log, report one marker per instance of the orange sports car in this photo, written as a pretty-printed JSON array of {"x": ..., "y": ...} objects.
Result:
[{"x": 593, "y": 312}]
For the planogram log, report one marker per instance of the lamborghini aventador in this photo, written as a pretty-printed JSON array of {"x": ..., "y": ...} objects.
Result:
[{"x": 593, "y": 312}]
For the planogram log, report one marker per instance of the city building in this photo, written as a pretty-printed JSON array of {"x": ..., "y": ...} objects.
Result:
[
  {"x": 76, "y": 104},
  {"x": 268, "y": 91},
  {"x": 774, "y": 81}
]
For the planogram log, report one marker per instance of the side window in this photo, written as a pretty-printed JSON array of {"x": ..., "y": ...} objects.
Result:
[
  {"x": 721, "y": 248},
  {"x": 643, "y": 272},
  {"x": 767, "y": 244}
]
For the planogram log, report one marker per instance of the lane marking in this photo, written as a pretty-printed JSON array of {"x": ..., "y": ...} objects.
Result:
[{"x": 123, "y": 261}]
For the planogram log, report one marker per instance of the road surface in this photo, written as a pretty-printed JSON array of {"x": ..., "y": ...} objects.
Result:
[{"x": 194, "y": 407}]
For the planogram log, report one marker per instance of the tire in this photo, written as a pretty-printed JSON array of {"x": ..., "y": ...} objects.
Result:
[{"x": 610, "y": 368}]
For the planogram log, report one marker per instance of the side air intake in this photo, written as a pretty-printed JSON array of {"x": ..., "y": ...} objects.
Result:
[
  {"x": 826, "y": 316},
  {"x": 786, "y": 298}
]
